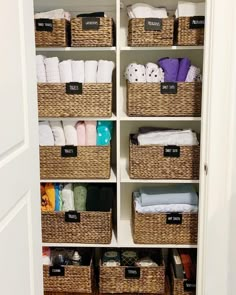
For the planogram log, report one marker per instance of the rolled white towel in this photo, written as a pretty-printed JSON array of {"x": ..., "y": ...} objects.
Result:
[
  {"x": 90, "y": 69},
  {"x": 143, "y": 10},
  {"x": 77, "y": 71},
  {"x": 188, "y": 9},
  {"x": 53, "y": 14},
  {"x": 45, "y": 134},
  {"x": 52, "y": 70},
  {"x": 67, "y": 193},
  {"x": 58, "y": 133},
  {"x": 40, "y": 67},
  {"x": 154, "y": 74},
  {"x": 105, "y": 70},
  {"x": 136, "y": 73},
  {"x": 65, "y": 71},
  {"x": 70, "y": 132},
  {"x": 193, "y": 74}
]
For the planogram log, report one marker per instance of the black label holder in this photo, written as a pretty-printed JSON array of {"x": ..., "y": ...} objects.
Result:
[
  {"x": 74, "y": 88},
  {"x": 69, "y": 151},
  {"x": 174, "y": 218},
  {"x": 72, "y": 216},
  {"x": 169, "y": 88},
  {"x": 171, "y": 151},
  {"x": 132, "y": 272},
  {"x": 197, "y": 22},
  {"x": 56, "y": 271},
  {"x": 90, "y": 23},
  {"x": 44, "y": 25},
  {"x": 153, "y": 24}
]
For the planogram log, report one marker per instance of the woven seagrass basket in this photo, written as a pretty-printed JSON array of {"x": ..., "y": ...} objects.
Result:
[{"x": 178, "y": 285}]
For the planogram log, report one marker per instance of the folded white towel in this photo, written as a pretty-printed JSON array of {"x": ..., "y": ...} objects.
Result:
[
  {"x": 143, "y": 10},
  {"x": 70, "y": 132},
  {"x": 91, "y": 71},
  {"x": 90, "y": 133},
  {"x": 54, "y": 14},
  {"x": 45, "y": 134},
  {"x": 52, "y": 70},
  {"x": 77, "y": 71},
  {"x": 40, "y": 67},
  {"x": 188, "y": 9},
  {"x": 193, "y": 74},
  {"x": 172, "y": 137},
  {"x": 68, "y": 198},
  {"x": 65, "y": 71},
  {"x": 58, "y": 133},
  {"x": 105, "y": 70},
  {"x": 136, "y": 73},
  {"x": 154, "y": 74}
]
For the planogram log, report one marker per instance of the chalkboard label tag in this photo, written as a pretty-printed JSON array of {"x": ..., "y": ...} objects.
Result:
[
  {"x": 153, "y": 24},
  {"x": 189, "y": 286},
  {"x": 74, "y": 88},
  {"x": 72, "y": 216},
  {"x": 197, "y": 22},
  {"x": 44, "y": 25},
  {"x": 56, "y": 271},
  {"x": 69, "y": 151},
  {"x": 174, "y": 218},
  {"x": 172, "y": 151},
  {"x": 169, "y": 88},
  {"x": 132, "y": 273},
  {"x": 90, "y": 23}
]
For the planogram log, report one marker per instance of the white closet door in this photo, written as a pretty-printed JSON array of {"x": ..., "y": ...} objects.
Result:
[{"x": 20, "y": 252}]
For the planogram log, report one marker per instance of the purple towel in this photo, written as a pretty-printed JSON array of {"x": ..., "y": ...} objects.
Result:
[
  {"x": 184, "y": 65},
  {"x": 170, "y": 67}
]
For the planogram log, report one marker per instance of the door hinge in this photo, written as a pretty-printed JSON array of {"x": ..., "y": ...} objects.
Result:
[{"x": 206, "y": 169}]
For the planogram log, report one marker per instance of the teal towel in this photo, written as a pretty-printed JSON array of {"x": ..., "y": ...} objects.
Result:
[
  {"x": 80, "y": 197},
  {"x": 58, "y": 202},
  {"x": 104, "y": 132}
]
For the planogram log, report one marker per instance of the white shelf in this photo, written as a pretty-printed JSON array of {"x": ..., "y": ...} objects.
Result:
[
  {"x": 74, "y": 49},
  {"x": 126, "y": 239},
  {"x": 112, "y": 179},
  {"x": 112, "y": 118},
  {"x": 128, "y": 48}
]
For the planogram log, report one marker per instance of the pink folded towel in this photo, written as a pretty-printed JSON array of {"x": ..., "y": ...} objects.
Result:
[
  {"x": 91, "y": 132},
  {"x": 81, "y": 137}
]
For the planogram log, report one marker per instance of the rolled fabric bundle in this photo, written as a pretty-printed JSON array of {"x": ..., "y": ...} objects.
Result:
[
  {"x": 50, "y": 192},
  {"x": 80, "y": 197},
  {"x": 136, "y": 73},
  {"x": 154, "y": 74},
  {"x": 70, "y": 132},
  {"x": 77, "y": 71},
  {"x": 90, "y": 71},
  {"x": 129, "y": 258},
  {"x": 93, "y": 200},
  {"x": 58, "y": 133},
  {"x": 45, "y": 134},
  {"x": 106, "y": 198},
  {"x": 81, "y": 133},
  {"x": 170, "y": 67},
  {"x": 65, "y": 69},
  {"x": 68, "y": 198},
  {"x": 111, "y": 258},
  {"x": 58, "y": 193},
  {"x": 184, "y": 66},
  {"x": 40, "y": 67},
  {"x": 91, "y": 133},
  {"x": 52, "y": 69},
  {"x": 193, "y": 74},
  {"x": 105, "y": 70}
]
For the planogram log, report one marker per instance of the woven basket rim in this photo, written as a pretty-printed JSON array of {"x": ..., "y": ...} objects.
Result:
[
  {"x": 81, "y": 212},
  {"x": 157, "y": 145},
  {"x": 141, "y": 267}
]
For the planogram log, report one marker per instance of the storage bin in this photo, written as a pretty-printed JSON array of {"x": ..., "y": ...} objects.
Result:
[
  {"x": 190, "y": 31},
  {"x": 124, "y": 279},
  {"x": 92, "y": 32},
  {"x": 77, "y": 227},
  {"x": 155, "y": 162},
  {"x": 69, "y": 162},
  {"x": 165, "y": 228},
  {"x": 150, "y": 32},
  {"x": 151, "y": 99},
  {"x": 88, "y": 100},
  {"x": 52, "y": 33}
]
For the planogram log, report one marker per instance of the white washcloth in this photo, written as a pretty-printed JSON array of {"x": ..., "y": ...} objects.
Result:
[
  {"x": 136, "y": 73},
  {"x": 54, "y": 14},
  {"x": 45, "y": 134},
  {"x": 77, "y": 71},
  {"x": 90, "y": 69},
  {"x": 70, "y": 132},
  {"x": 65, "y": 71},
  {"x": 105, "y": 70},
  {"x": 143, "y": 10},
  {"x": 154, "y": 74},
  {"x": 188, "y": 9},
  {"x": 171, "y": 137},
  {"x": 68, "y": 198},
  {"x": 52, "y": 70},
  {"x": 40, "y": 67},
  {"x": 58, "y": 133},
  {"x": 193, "y": 74}
]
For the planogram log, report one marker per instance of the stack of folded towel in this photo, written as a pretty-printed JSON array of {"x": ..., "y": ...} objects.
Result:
[
  {"x": 50, "y": 70},
  {"x": 179, "y": 198},
  {"x": 54, "y": 14},
  {"x": 160, "y": 136},
  {"x": 165, "y": 70},
  {"x": 189, "y": 9},
  {"x": 82, "y": 133},
  {"x": 143, "y": 10},
  {"x": 93, "y": 14},
  {"x": 79, "y": 197}
]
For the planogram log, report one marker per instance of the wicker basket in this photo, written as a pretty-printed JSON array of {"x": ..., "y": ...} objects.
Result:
[
  {"x": 178, "y": 285},
  {"x": 102, "y": 36},
  {"x": 113, "y": 280},
  {"x": 92, "y": 228},
  {"x": 139, "y": 35},
  {"x": 95, "y": 100},
  {"x": 146, "y": 99},
  {"x": 91, "y": 162},
  {"x": 186, "y": 35},
  {"x": 159, "y": 228},
  {"x": 58, "y": 37},
  {"x": 76, "y": 279},
  {"x": 149, "y": 162}
]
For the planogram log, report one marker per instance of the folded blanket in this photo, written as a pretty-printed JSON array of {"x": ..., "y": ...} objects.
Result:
[
  {"x": 143, "y": 10},
  {"x": 68, "y": 198},
  {"x": 81, "y": 134},
  {"x": 105, "y": 70},
  {"x": 91, "y": 133},
  {"x": 52, "y": 70},
  {"x": 58, "y": 133},
  {"x": 154, "y": 74},
  {"x": 65, "y": 70},
  {"x": 188, "y": 9},
  {"x": 53, "y": 14},
  {"x": 90, "y": 69},
  {"x": 92, "y": 201},
  {"x": 77, "y": 71},
  {"x": 40, "y": 67},
  {"x": 184, "y": 66},
  {"x": 193, "y": 74},
  {"x": 170, "y": 67},
  {"x": 136, "y": 73},
  {"x": 80, "y": 197},
  {"x": 70, "y": 132},
  {"x": 45, "y": 134}
]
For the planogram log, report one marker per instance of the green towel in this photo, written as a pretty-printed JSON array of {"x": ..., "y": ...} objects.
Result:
[{"x": 80, "y": 196}]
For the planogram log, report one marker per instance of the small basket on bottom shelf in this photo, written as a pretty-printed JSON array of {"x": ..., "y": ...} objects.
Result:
[
  {"x": 88, "y": 228},
  {"x": 82, "y": 162},
  {"x": 165, "y": 228}
]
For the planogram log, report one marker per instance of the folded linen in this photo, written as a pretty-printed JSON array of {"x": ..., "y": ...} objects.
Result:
[
  {"x": 52, "y": 70},
  {"x": 58, "y": 194},
  {"x": 90, "y": 71},
  {"x": 193, "y": 74},
  {"x": 184, "y": 66},
  {"x": 105, "y": 70},
  {"x": 81, "y": 134},
  {"x": 68, "y": 198},
  {"x": 90, "y": 133},
  {"x": 40, "y": 67},
  {"x": 154, "y": 74},
  {"x": 171, "y": 137},
  {"x": 136, "y": 73},
  {"x": 70, "y": 132},
  {"x": 106, "y": 198},
  {"x": 170, "y": 67},
  {"x": 178, "y": 194},
  {"x": 53, "y": 14},
  {"x": 45, "y": 134},
  {"x": 58, "y": 133},
  {"x": 93, "y": 200},
  {"x": 143, "y": 10},
  {"x": 65, "y": 69},
  {"x": 188, "y": 9},
  {"x": 47, "y": 197},
  {"x": 77, "y": 71},
  {"x": 80, "y": 196},
  {"x": 50, "y": 192}
]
